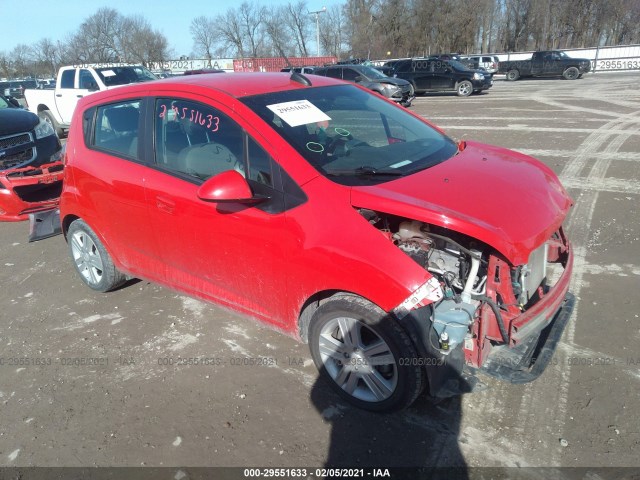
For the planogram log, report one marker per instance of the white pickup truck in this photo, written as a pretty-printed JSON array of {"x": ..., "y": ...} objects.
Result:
[{"x": 73, "y": 83}]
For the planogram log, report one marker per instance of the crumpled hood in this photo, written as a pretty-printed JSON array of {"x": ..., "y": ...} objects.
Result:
[
  {"x": 17, "y": 120},
  {"x": 503, "y": 198}
]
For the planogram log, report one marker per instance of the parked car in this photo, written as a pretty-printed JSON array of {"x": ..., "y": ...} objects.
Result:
[
  {"x": 16, "y": 88},
  {"x": 488, "y": 63},
  {"x": 57, "y": 106},
  {"x": 437, "y": 75},
  {"x": 549, "y": 63},
  {"x": 314, "y": 205},
  {"x": 30, "y": 167},
  {"x": 395, "y": 89}
]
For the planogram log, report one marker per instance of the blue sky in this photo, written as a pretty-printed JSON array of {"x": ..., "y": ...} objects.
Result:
[{"x": 54, "y": 19}]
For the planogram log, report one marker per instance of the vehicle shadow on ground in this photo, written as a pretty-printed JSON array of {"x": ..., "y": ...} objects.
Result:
[{"x": 423, "y": 437}]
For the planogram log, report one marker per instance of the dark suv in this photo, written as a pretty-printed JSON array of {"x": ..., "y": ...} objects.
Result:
[
  {"x": 438, "y": 75},
  {"x": 395, "y": 89}
]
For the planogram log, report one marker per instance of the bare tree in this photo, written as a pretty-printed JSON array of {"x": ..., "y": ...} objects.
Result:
[
  {"x": 251, "y": 19},
  {"x": 203, "y": 33},
  {"x": 331, "y": 31},
  {"x": 279, "y": 38},
  {"x": 230, "y": 31},
  {"x": 297, "y": 19}
]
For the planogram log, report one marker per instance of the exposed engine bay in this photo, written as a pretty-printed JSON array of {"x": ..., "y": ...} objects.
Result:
[{"x": 483, "y": 293}]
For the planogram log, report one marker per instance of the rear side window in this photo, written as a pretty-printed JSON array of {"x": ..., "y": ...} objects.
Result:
[
  {"x": 66, "y": 81},
  {"x": 116, "y": 128}
]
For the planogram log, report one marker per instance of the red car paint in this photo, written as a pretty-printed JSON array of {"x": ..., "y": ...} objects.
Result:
[
  {"x": 20, "y": 187},
  {"x": 166, "y": 229}
]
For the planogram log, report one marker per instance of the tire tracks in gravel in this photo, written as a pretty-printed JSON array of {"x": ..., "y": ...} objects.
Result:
[{"x": 546, "y": 419}]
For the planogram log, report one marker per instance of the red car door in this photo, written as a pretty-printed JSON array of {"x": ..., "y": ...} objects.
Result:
[
  {"x": 229, "y": 252},
  {"x": 111, "y": 183}
]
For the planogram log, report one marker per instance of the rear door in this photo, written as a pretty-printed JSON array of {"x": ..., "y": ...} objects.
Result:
[
  {"x": 110, "y": 181},
  {"x": 66, "y": 94}
]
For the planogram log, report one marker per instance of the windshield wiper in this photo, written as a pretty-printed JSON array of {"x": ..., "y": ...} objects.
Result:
[{"x": 365, "y": 171}]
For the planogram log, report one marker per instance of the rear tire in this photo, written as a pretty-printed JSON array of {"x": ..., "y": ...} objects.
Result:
[
  {"x": 91, "y": 260},
  {"x": 365, "y": 354},
  {"x": 47, "y": 116},
  {"x": 513, "y": 75}
]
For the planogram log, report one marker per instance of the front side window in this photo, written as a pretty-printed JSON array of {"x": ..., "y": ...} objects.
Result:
[
  {"x": 350, "y": 74},
  {"x": 352, "y": 136},
  {"x": 116, "y": 128},
  {"x": 196, "y": 139}
]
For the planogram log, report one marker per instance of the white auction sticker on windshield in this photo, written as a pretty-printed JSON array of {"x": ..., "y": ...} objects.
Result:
[
  {"x": 108, "y": 73},
  {"x": 299, "y": 112}
]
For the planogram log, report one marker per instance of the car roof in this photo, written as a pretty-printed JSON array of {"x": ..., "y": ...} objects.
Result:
[{"x": 234, "y": 84}]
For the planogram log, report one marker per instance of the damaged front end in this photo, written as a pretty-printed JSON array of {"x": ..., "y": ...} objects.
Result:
[
  {"x": 30, "y": 189},
  {"x": 490, "y": 316}
]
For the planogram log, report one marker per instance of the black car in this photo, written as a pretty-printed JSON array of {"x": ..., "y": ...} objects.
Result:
[
  {"x": 438, "y": 75},
  {"x": 395, "y": 89},
  {"x": 25, "y": 139}
]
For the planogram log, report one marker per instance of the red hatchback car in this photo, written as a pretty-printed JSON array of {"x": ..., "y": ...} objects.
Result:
[{"x": 403, "y": 258}]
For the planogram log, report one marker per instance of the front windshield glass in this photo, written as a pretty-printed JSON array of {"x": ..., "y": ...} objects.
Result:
[
  {"x": 112, "y": 76},
  {"x": 373, "y": 73},
  {"x": 458, "y": 66},
  {"x": 350, "y": 135}
]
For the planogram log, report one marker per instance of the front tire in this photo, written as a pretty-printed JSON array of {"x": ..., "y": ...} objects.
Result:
[
  {"x": 91, "y": 260},
  {"x": 365, "y": 355},
  {"x": 513, "y": 75},
  {"x": 571, "y": 73},
  {"x": 464, "y": 88}
]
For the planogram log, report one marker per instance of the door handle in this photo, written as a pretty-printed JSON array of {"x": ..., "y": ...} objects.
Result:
[
  {"x": 165, "y": 204},
  {"x": 58, "y": 94},
  {"x": 79, "y": 96}
]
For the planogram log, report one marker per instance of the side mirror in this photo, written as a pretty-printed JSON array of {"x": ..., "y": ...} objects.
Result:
[{"x": 227, "y": 187}]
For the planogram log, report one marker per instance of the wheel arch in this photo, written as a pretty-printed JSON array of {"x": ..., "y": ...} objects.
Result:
[
  {"x": 66, "y": 222},
  {"x": 312, "y": 304}
]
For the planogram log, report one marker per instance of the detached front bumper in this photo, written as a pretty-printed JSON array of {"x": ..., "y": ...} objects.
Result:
[
  {"x": 29, "y": 190},
  {"x": 527, "y": 361}
]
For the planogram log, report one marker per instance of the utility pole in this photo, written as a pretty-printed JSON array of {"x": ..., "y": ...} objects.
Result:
[{"x": 317, "y": 13}]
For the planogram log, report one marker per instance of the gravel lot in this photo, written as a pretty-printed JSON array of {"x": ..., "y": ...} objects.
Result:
[{"x": 103, "y": 383}]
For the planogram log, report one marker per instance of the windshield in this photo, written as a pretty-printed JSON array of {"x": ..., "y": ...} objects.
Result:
[
  {"x": 350, "y": 135},
  {"x": 112, "y": 76},
  {"x": 458, "y": 66},
  {"x": 372, "y": 73}
]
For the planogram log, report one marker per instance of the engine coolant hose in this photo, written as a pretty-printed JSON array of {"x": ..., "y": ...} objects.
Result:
[{"x": 496, "y": 312}]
